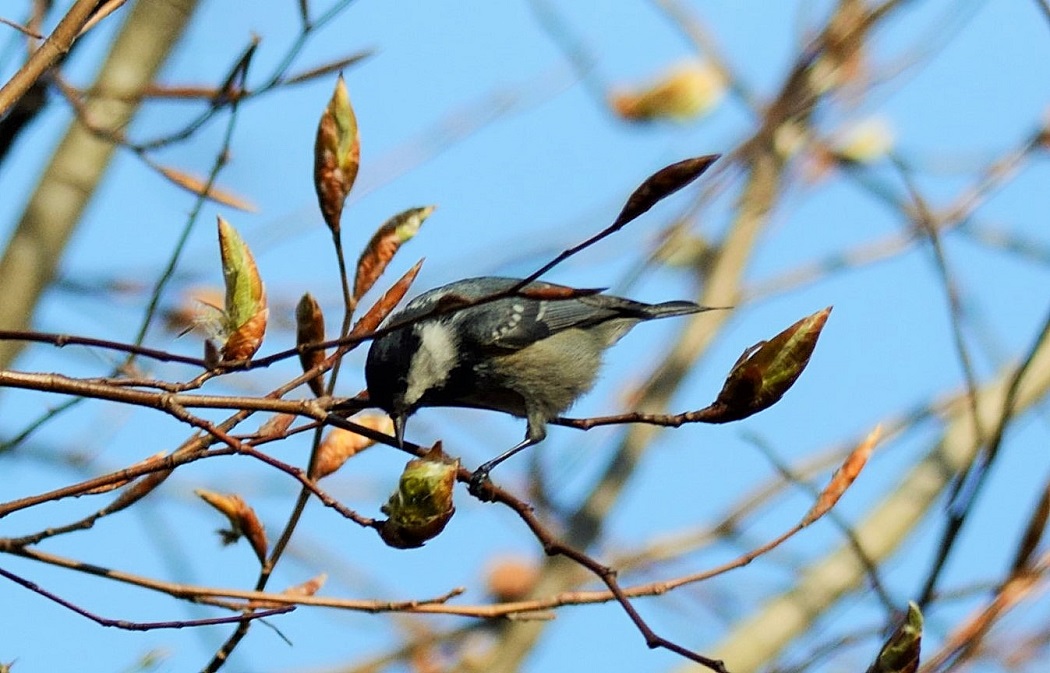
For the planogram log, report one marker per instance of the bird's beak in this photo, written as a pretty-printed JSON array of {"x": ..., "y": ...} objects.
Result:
[{"x": 399, "y": 428}]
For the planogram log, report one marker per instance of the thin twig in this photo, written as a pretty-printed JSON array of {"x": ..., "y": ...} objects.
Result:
[{"x": 53, "y": 48}]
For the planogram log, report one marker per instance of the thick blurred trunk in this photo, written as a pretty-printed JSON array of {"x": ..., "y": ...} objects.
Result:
[{"x": 80, "y": 161}]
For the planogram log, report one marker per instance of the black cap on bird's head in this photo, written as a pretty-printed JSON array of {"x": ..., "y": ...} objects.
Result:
[{"x": 385, "y": 374}]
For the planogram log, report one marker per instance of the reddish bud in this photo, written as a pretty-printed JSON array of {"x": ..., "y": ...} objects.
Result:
[{"x": 309, "y": 329}]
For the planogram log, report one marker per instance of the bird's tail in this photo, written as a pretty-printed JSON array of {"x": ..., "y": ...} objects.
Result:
[{"x": 669, "y": 309}]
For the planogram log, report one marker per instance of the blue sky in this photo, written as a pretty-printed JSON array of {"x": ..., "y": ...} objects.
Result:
[{"x": 475, "y": 108}]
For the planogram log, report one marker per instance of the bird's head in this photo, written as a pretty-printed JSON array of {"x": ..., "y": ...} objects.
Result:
[{"x": 407, "y": 369}]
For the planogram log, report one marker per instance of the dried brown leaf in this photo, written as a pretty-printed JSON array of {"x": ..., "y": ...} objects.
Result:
[
  {"x": 843, "y": 477},
  {"x": 199, "y": 187},
  {"x": 138, "y": 490},
  {"x": 242, "y": 518}
]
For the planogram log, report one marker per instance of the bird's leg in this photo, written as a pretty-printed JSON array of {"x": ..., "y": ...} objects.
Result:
[{"x": 480, "y": 478}]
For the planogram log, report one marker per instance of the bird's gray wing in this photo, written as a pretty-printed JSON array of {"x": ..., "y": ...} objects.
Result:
[{"x": 514, "y": 323}]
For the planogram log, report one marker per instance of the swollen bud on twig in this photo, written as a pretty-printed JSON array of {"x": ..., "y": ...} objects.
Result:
[
  {"x": 767, "y": 370},
  {"x": 242, "y": 520},
  {"x": 309, "y": 329},
  {"x": 653, "y": 189},
  {"x": 662, "y": 184},
  {"x": 900, "y": 653},
  {"x": 337, "y": 155},
  {"x": 385, "y": 243},
  {"x": 244, "y": 313},
  {"x": 422, "y": 504}
]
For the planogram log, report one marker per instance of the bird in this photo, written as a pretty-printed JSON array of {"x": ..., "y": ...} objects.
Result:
[{"x": 531, "y": 352}]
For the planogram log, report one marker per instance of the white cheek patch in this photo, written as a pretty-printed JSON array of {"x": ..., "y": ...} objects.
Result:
[{"x": 433, "y": 362}]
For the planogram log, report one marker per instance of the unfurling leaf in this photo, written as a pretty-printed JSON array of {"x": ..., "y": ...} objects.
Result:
[
  {"x": 900, "y": 653},
  {"x": 843, "y": 477},
  {"x": 243, "y": 521},
  {"x": 662, "y": 184},
  {"x": 309, "y": 329},
  {"x": 244, "y": 312},
  {"x": 767, "y": 370},
  {"x": 337, "y": 155},
  {"x": 422, "y": 504},
  {"x": 340, "y": 444},
  {"x": 384, "y": 245},
  {"x": 200, "y": 187},
  {"x": 390, "y": 299},
  {"x": 684, "y": 93}
]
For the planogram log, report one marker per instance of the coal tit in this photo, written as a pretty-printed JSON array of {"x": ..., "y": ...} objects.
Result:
[{"x": 531, "y": 354}]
